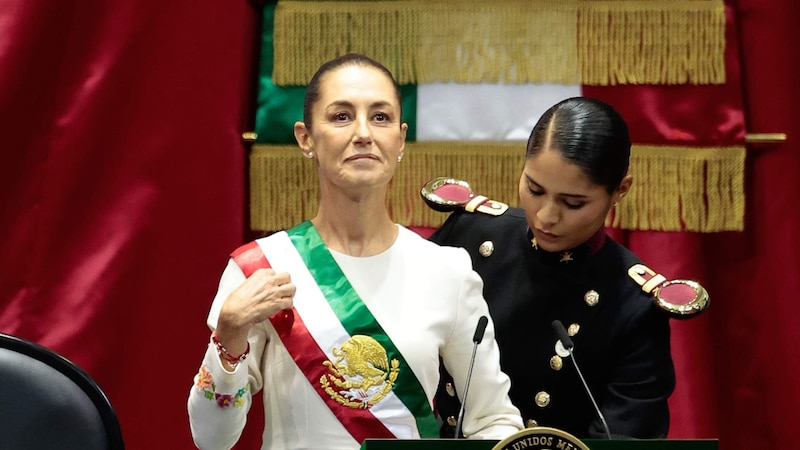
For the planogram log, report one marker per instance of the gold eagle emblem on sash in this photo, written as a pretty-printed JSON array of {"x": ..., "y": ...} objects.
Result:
[{"x": 361, "y": 375}]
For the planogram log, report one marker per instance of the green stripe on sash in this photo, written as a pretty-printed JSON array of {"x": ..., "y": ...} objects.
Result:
[{"x": 357, "y": 319}]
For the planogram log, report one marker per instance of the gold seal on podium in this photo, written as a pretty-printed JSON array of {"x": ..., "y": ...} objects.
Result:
[{"x": 541, "y": 438}]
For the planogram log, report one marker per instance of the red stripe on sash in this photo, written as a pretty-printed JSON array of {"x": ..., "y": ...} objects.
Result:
[
  {"x": 308, "y": 356},
  {"x": 250, "y": 258}
]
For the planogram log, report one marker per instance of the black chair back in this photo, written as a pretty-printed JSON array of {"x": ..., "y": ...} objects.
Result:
[{"x": 48, "y": 402}]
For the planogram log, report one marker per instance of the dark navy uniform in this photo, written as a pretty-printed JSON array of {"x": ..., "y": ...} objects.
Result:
[{"x": 622, "y": 340}]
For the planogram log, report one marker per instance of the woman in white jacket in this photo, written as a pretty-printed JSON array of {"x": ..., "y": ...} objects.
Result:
[{"x": 342, "y": 320}]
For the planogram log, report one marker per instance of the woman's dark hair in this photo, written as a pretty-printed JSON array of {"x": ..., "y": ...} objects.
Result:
[
  {"x": 349, "y": 59},
  {"x": 588, "y": 133}
]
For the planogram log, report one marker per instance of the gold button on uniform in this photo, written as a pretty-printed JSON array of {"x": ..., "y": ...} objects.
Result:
[
  {"x": 530, "y": 423},
  {"x": 451, "y": 391},
  {"x": 556, "y": 363},
  {"x": 486, "y": 249},
  {"x": 452, "y": 421},
  {"x": 542, "y": 399},
  {"x": 591, "y": 297},
  {"x": 573, "y": 329}
]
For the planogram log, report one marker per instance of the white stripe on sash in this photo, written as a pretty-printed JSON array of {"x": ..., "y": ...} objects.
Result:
[{"x": 324, "y": 326}]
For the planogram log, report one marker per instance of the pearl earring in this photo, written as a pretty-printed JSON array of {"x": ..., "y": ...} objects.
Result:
[
  {"x": 399, "y": 158},
  {"x": 310, "y": 154}
]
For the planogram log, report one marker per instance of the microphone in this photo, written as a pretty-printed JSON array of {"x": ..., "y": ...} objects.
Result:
[
  {"x": 476, "y": 339},
  {"x": 568, "y": 345}
]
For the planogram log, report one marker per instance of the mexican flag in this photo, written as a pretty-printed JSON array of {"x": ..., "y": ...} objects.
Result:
[{"x": 475, "y": 79}]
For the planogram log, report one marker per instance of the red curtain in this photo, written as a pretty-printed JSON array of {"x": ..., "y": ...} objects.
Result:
[
  {"x": 123, "y": 189},
  {"x": 122, "y": 180},
  {"x": 736, "y": 366}
]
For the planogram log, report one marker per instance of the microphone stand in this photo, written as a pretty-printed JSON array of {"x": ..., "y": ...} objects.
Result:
[
  {"x": 477, "y": 338},
  {"x": 566, "y": 341}
]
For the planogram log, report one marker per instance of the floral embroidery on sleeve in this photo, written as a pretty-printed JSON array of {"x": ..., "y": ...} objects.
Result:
[{"x": 205, "y": 383}]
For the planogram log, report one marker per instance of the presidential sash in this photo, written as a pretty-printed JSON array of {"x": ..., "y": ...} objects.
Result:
[{"x": 338, "y": 344}]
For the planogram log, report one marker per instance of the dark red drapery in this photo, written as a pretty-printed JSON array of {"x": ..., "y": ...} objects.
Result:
[{"x": 123, "y": 184}]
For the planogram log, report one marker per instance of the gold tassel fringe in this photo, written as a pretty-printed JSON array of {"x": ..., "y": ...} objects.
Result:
[
  {"x": 588, "y": 42},
  {"x": 674, "y": 188},
  {"x": 284, "y": 187},
  {"x": 434, "y": 40},
  {"x": 684, "y": 189},
  {"x": 652, "y": 42}
]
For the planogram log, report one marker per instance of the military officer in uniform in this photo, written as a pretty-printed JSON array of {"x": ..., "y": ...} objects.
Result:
[{"x": 551, "y": 260}]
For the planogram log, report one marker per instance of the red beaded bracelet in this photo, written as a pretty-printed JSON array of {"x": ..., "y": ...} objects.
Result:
[{"x": 227, "y": 356}]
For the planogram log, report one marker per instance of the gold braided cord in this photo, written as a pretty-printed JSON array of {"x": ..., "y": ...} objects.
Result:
[
  {"x": 674, "y": 189},
  {"x": 591, "y": 42}
]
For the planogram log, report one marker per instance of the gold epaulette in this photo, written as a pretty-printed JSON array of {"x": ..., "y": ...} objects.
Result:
[
  {"x": 450, "y": 194},
  {"x": 681, "y": 299}
]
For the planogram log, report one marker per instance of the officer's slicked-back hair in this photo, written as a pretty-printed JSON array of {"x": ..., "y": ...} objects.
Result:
[
  {"x": 588, "y": 133},
  {"x": 349, "y": 59}
]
